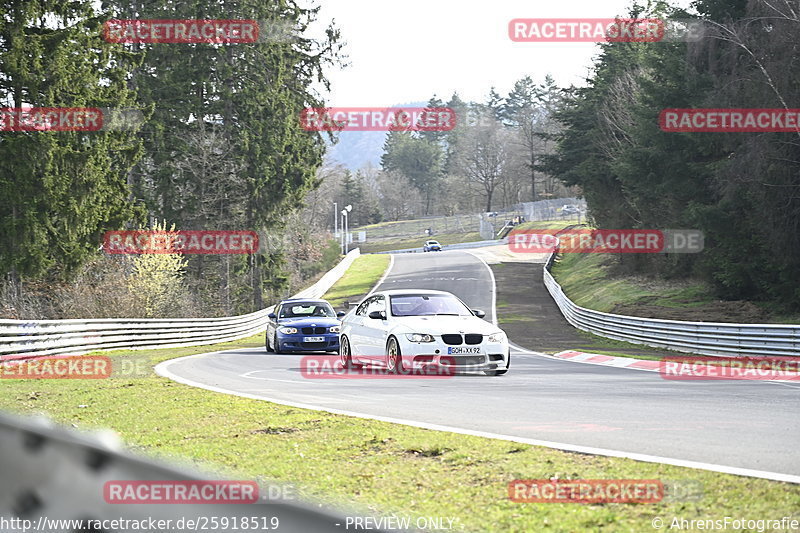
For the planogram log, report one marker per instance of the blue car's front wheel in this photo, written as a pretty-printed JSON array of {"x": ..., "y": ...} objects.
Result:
[{"x": 275, "y": 344}]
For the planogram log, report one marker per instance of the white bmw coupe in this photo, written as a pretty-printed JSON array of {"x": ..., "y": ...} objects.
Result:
[{"x": 404, "y": 329}]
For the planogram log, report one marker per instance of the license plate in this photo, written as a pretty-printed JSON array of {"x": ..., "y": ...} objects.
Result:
[
  {"x": 456, "y": 350},
  {"x": 313, "y": 339}
]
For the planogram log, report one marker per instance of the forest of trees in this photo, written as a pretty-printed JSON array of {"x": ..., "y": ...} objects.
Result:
[
  {"x": 220, "y": 148},
  {"x": 741, "y": 189}
]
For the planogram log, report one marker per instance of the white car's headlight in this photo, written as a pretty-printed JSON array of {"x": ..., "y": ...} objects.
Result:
[
  {"x": 419, "y": 337},
  {"x": 336, "y": 329},
  {"x": 497, "y": 337},
  {"x": 287, "y": 331}
]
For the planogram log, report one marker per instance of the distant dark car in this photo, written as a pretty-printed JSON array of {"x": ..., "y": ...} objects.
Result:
[
  {"x": 303, "y": 325},
  {"x": 432, "y": 246},
  {"x": 570, "y": 210}
]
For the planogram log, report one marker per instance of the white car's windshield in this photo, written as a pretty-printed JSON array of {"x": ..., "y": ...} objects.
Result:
[{"x": 427, "y": 304}]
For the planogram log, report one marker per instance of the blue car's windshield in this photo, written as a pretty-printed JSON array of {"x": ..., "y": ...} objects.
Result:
[{"x": 305, "y": 309}]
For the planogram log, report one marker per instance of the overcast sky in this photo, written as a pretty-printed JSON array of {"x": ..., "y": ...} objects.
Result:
[{"x": 406, "y": 50}]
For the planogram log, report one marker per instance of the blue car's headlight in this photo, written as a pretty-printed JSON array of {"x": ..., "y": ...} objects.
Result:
[
  {"x": 419, "y": 337},
  {"x": 287, "y": 330},
  {"x": 335, "y": 329}
]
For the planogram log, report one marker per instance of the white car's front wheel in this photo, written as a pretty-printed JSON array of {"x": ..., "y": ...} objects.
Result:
[
  {"x": 394, "y": 359},
  {"x": 345, "y": 356}
]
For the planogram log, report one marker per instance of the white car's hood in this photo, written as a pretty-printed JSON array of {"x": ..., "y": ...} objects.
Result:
[{"x": 436, "y": 325}]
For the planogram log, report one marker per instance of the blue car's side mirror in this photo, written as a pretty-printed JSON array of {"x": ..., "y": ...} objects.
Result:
[
  {"x": 273, "y": 316},
  {"x": 340, "y": 314}
]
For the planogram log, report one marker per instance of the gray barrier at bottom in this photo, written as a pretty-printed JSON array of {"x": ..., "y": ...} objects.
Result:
[{"x": 52, "y": 477}]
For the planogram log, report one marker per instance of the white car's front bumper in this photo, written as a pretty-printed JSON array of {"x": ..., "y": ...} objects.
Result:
[{"x": 490, "y": 356}]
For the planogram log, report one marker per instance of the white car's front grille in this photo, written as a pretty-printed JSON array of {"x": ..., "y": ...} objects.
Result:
[{"x": 455, "y": 339}]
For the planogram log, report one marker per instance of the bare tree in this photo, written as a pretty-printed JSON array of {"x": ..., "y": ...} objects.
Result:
[
  {"x": 398, "y": 197},
  {"x": 484, "y": 156}
]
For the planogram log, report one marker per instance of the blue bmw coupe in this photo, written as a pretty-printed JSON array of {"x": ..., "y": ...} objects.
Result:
[{"x": 303, "y": 325}]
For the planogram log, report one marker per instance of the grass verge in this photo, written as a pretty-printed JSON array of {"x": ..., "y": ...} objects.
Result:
[
  {"x": 549, "y": 224},
  {"x": 588, "y": 280},
  {"x": 585, "y": 279},
  {"x": 362, "y": 275}
]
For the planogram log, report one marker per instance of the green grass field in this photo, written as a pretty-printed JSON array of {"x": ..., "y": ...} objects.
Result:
[
  {"x": 585, "y": 279},
  {"x": 549, "y": 224}
]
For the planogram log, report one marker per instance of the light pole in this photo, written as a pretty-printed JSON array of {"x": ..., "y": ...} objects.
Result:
[
  {"x": 335, "y": 219},
  {"x": 345, "y": 211}
]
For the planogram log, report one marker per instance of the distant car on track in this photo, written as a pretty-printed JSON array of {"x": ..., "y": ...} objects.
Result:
[
  {"x": 402, "y": 329},
  {"x": 303, "y": 325},
  {"x": 570, "y": 210},
  {"x": 432, "y": 246}
]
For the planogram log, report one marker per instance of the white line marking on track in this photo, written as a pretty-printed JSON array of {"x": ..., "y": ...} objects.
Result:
[
  {"x": 248, "y": 376},
  {"x": 383, "y": 277}
]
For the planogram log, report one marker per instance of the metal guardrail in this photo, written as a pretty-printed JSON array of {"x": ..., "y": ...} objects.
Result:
[
  {"x": 21, "y": 338},
  {"x": 54, "y": 477},
  {"x": 708, "y": 338}
]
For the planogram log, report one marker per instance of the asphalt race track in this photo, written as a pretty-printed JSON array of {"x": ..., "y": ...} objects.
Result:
[{"x": 724, "y": 426}]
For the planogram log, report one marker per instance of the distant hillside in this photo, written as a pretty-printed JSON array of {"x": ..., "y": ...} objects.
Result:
[{"x": 357, "y": 148}]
